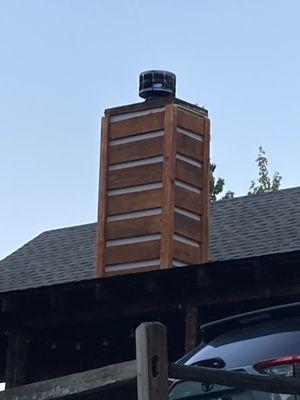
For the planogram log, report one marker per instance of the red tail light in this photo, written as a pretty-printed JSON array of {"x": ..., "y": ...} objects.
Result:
[{"x": 284, "y": 366}]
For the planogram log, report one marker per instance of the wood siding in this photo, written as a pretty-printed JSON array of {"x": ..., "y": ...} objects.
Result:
[
  {"x": 137, "y": 125},
  {"x": 153, "y": 185},
  {"x": 136, "y": 201},
  {"x": 133, "y": 176},
  {"x": 138, "y": 150},
  {"x": 133, "y": 227}
]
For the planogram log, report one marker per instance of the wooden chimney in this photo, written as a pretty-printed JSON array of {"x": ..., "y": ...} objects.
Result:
[{"x": 154, "y": 187}]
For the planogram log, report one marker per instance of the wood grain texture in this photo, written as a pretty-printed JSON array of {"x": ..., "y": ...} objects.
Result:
[
  {"x": 133, "y": 227},
  {"x": 205, "y": 193},
  {"x": 102, "y": 202},
  {"x": 188, "y": 200},
  {"x": 187, "y": 227},
  {"x": 189, "y": 147},
  {"x": 137, "y": 201},
  {"x": 136, "y": 150},
  {"x": 75, "y": 385},
  {"x": 236, "y": 379},
  {"x": 152, "y": 361},
  {"x": 187, "y": 253},
  {"x": 132, "y": 252},
  {"x": 190, "y": 121},
  {"x": 137, "y": 125},
  {"x": 133, "y": 176},
  {"x": 168, "y": 194},
  {"x": 189, "y": 173}
]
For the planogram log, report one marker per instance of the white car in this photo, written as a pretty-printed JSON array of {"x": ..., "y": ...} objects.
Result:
[{"x": 260, "y": 342}]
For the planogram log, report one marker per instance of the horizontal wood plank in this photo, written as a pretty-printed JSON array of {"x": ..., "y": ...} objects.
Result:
[
  {"x": 187, "y": 227},
  {"x": 190, "y": 121},
  {"x": 132, "y": 252},
  {"x": 189, "y": 147},
  {"x": 133, "y": 227},
  {"x": 137, "y": 125},
  {"x": 189, "y": 173},
  {"x": 187, "y": 253},
  {"x": 137, "y": 201},
  {"x": 188, "y": 200},
  {"x": 136, "y": 150},
  {"x": 235, "y": 379},
  {"x": 79, "y": 384},
  {"x": 133, "y": 176}
]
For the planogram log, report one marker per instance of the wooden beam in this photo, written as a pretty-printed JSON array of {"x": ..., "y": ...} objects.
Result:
[
  {"x": 191, "y": 328},
  {"x": 102, "y": 206},
  {"x": 78, "y": 384},
  {"x": 205, "y": 192},
  {"x": 239, "y": 380},
  {"x": 16, "y": 359},
  {"x": 152, "y": 364},
  {"x": 107, "y": 310},
  {"x": 168, "y": 193}
]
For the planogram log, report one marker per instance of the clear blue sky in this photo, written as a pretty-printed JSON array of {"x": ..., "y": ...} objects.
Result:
[{"x": 63, "y": 62}]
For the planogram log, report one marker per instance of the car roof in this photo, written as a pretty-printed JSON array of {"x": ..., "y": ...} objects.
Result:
[{"x": 213, "y": 329}]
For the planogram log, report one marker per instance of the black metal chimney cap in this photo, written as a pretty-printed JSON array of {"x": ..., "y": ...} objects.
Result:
[{"x": 156, "y": 83}]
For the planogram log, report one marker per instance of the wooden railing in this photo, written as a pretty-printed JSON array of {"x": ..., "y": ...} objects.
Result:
[{"x": 150, "y": 371}]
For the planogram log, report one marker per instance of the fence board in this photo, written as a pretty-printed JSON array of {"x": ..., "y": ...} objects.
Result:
[
  {"x": 239, "y": 380},
  {"x": 151, "y": 372},
  {"x": 71, "y": 386}
]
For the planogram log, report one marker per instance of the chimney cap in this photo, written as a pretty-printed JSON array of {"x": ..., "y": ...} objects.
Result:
[{"x": 157, "y": 83}]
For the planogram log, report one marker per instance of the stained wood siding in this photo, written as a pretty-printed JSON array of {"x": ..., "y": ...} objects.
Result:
[{"x": 153, "y": 185}]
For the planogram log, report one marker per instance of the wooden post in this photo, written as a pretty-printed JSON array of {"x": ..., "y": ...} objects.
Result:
[
  {"x": 191, "y": 328},
  {"x": 168, "y": 194},
  {"x": 102, "y": 208},
  {"x": 205, "y": 192},
  {"x": 152, "y": 361},
  {"x": 16, "y": 359}
]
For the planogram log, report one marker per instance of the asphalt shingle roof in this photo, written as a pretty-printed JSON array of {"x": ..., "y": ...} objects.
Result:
[{"x": 242, "y": 227}]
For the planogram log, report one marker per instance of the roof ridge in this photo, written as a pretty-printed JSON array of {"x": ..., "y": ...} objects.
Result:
[
  {"x": 68, "y": 227},
  {"x": 250, "y": 196}
]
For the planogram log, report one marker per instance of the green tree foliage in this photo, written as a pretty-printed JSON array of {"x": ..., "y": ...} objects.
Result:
[
  {"x": 216, "y": 185},
  {"x": 264, "y": 183},
  {"x": 228, "y": 195}
]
